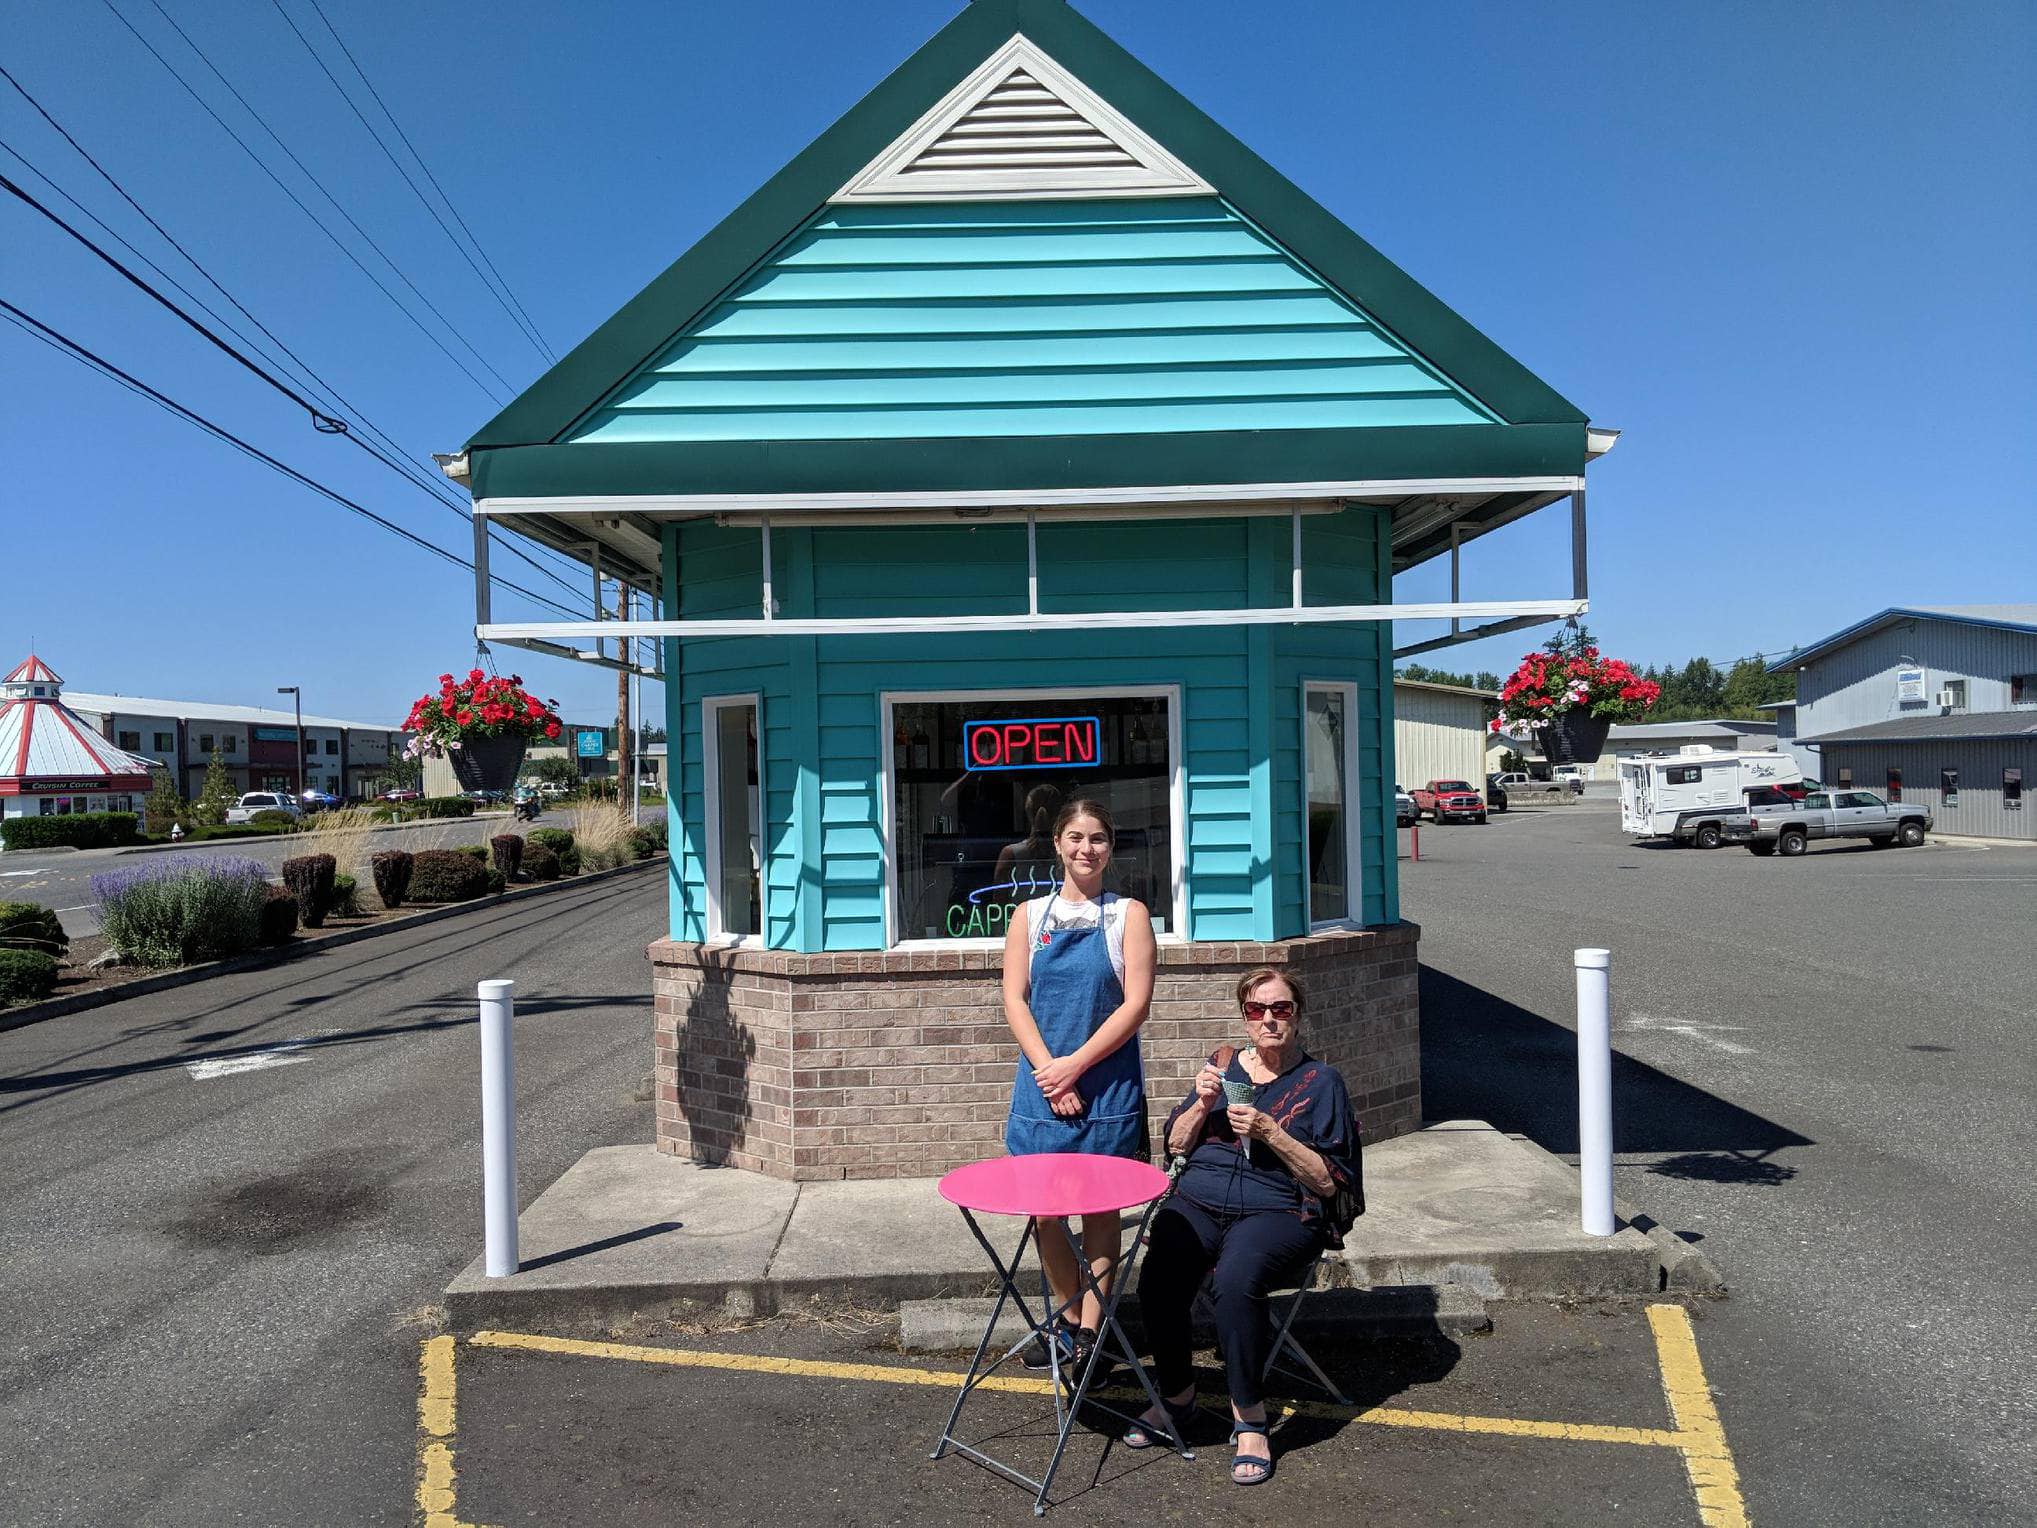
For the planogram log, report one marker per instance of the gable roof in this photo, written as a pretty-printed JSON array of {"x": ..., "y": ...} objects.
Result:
[
  {"x": 2016, "y": 617},
  {"x": 526, "y": 450}
]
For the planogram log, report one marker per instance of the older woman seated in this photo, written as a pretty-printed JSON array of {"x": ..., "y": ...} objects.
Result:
[{"x": 1250, "y": 1211}]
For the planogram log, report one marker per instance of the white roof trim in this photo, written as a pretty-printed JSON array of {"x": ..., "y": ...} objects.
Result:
[{"x": 1021, "y": 128}]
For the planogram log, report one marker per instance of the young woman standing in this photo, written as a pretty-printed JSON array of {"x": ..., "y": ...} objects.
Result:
[{"x": 1078, "y": 980}]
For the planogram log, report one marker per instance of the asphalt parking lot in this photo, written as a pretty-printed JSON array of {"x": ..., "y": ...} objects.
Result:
[
  {"x": 1595, "y": 1415},
  {"x": 1825, "y": 1069}
]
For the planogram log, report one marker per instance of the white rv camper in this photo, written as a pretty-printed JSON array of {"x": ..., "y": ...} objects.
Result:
[{"x": 1663, "y": 795}]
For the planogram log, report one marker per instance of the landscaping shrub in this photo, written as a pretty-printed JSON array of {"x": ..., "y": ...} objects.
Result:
[
  {"x": 279, "y": 916},
  {"x": 346, "y": 897},
  {"x": 392, "y": 871},
  {"x": 507, "y": 851},
  {"x": 274, "y": 819},
  {"x": 541, "y": 863},
  {"x": 183, "y": 909},
  {"x": 569, "y": 862},
  {"x": 474, "y": 852},
  {"x": 497, "y": 882},
  {"x": 446, "y": 875},
  {"x": 31, "y": 926},
  {"x": 644, "y": 843},
  {"x": 446, "y": 806},
  {"x": 558, "y": 840},
  {"x": 310, "y": 878},
  {"x": 26, "y": 976},
  {"x": 83, "y": 830}
]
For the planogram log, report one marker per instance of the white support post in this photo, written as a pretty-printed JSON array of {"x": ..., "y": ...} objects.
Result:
[
  {"x": 1032, "y": 563},
  {"x": 1595, "y": 1090},
  {"x": 1294, "y": 558},
  {"x": 498, "y": 1128},
  {"x": 770, "y": 603}
]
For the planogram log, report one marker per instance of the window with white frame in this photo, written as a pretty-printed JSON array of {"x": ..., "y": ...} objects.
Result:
[
  {"x": 1330, "y": 793},
  {"x": 735, "y": 818},
  {"x": 978, "y": 780}
]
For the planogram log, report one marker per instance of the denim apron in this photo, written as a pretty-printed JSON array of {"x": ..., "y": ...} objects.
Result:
[{"x": 1074, "y": 989}]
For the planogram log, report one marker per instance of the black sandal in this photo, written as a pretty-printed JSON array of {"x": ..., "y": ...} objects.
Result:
[
  {"x": 1179, "y": 1416},
  {"x": 1250, "y": 1461}
]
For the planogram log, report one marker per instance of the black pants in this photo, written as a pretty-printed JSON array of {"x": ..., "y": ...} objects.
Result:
[{"x": 1243, "y": 1257}]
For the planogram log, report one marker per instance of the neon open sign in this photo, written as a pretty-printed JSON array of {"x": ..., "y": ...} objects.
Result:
[{"x": 1034, "y": 742}]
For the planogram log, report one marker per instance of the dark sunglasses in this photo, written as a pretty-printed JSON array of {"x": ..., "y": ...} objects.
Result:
[{"x": 1280, "y": 1008}]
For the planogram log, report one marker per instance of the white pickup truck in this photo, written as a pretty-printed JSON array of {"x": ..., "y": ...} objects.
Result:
[{"x": 1828, "y": 814}]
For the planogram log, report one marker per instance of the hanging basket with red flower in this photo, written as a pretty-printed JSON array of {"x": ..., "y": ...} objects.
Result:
[
  {"x": 482, "y": 724},
  {"x": 1570, "y": 697}
]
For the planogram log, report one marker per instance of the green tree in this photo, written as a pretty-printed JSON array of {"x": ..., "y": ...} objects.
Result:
[
  {"x": 555, "y": 769},
  {"x": 1421, "y": 673},
  {"x": 164, "y": 808},
  {"x": 215, "y": 793}
]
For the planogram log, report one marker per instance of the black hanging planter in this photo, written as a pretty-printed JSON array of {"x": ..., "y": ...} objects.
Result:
[
  {"x": 488, "y": 763},
  {"x": 1575, "y": 737}
]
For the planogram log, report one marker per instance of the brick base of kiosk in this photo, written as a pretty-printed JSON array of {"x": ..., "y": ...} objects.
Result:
[{"x": 898, "y": 1064}]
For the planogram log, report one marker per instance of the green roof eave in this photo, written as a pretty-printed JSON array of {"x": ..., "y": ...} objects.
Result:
[
  {"x": 644, "y": 326},
  {"x": 1410, "y": 452}
]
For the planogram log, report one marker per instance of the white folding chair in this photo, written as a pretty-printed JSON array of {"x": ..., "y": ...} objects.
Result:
[{"x": 1284, "y": 1340}]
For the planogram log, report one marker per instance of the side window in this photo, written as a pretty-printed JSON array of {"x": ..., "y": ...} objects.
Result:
[
  {"x": 1686, "y": 774},
  {"x": 1817, "y": 801},
  {"x": 1948, "y": 787},
  {"x": 1858, "y": 798},
  {"x": 1895, "y": 784},
  {"x": 2023, "y": 689}
]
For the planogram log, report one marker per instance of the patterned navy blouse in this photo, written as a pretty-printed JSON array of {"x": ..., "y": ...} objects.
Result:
[{"x": 1309, "y": 1102}]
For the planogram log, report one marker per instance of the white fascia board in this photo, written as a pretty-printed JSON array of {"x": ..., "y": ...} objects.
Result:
[
  {"x": 690, "y": 505},
  {"x": 1121, "y": 620}
]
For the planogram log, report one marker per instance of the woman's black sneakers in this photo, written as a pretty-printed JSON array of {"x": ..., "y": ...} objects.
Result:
[{"x": 1034, "y": 1354}]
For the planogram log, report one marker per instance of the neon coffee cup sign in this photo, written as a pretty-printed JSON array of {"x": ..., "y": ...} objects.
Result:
[{"x": 1033, "y": 743}]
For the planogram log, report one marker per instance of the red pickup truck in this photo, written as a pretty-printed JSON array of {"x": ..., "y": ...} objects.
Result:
[{"x": 1445, "y": 800}]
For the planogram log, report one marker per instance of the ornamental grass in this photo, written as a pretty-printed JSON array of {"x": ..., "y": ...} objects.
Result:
[{"x": 602, "y": 835}]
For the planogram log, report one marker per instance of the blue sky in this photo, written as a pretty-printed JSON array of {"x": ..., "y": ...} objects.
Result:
[{"x": 1785, "y": 249}]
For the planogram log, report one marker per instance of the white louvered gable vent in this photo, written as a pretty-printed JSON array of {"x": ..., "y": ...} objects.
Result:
[{"x": 1020, "y": 127}]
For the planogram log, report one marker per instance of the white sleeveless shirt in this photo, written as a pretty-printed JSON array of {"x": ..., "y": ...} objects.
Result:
[{"x": 1066, "y": 914}]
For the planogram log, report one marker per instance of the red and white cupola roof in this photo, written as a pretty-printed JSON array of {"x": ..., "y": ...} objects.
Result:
[{"x": 45, "y": 746}]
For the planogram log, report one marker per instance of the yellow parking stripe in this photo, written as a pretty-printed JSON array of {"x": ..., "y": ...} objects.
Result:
[
  {"x": 1713, "y": 1476},
  {"x": 437, "y": 1414},
  {"x": 948, "y": 1379}
]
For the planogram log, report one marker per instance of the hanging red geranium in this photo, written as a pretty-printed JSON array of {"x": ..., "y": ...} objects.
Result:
[
  {"x": 1570, "y": 694},
  {"x": 477, "y": 708}
]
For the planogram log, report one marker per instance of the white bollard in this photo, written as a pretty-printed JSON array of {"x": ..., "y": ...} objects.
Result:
[
  {"x": 1595, "y": 1089},
  {"x": 498, "y": 1128}
]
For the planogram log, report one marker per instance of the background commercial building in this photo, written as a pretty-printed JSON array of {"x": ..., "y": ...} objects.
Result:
[
  {"x": 1723, "y": 735},
  {"x": 1933, "y": 704},
  {"x": 1439, "y": 732},
  {"x": 256, "y": 744},
  {"x": 52, "y": 764}
]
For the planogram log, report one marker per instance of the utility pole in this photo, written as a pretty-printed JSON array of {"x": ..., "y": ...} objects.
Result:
[
  {"x": 622, "y": 718},
  {"x": 297, "y": 702}
]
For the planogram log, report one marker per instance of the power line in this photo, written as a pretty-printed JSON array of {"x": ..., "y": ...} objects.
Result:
[
  {"x": 298, "y": 202},
  {"x": 515, "y": 314},
  {"x": 62, "y": 342},
  {"x": 322, "y": 421}
]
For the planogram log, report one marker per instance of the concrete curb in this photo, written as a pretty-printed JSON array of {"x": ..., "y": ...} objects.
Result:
[
  {"x": 1402, "y": 1310},
  {"x": 56, "y": 1008},
  {"x": 1680, "y": 1267}
]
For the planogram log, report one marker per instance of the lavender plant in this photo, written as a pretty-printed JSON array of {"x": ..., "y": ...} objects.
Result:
[{"x": 178, "y": 913}]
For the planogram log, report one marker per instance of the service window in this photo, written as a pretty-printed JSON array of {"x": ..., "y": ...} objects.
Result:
[
  {"x": 1948, "y": 787},
  {"x": 1895, "y": 784},
  {"x": 735, "y": 819},
  {"x": 2012, "y": 789},
  {"x": 977, "y": 782},
  {"x": 1330, "y": 788}
]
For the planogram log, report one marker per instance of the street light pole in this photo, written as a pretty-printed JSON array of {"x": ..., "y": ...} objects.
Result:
[{"x": 297, "y": 705}]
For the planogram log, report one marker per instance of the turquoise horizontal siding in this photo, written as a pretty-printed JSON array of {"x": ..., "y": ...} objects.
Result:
[{"x": 1026, "y": 318}]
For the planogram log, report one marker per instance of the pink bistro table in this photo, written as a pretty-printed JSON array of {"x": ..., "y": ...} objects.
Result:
[{"x": 1053, "y": 1186}]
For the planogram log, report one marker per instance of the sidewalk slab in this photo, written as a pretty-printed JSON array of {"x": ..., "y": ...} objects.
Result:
[
  {"x": 1461, "y": 1203},
  {"x": 628, "y": 1232}
]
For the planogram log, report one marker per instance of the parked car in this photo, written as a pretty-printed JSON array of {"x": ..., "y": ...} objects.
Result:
[
  {"x": 244, "y": 809},
  {"x": 1788, "y": 829},
  {"x": 1450, "y": 801},
  {"x": 1405, "y": 813},
  {"x": 552, "y": 790},
  {"x": 403, "y": 795},
  {"x": 1572, "y": 775},
  {"x": 1496, "y": 790},
  {"x": 318, "y": 801}
]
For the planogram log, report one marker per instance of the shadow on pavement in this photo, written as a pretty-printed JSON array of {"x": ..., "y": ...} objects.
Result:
[{"x": 1486, "y": 1058}]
